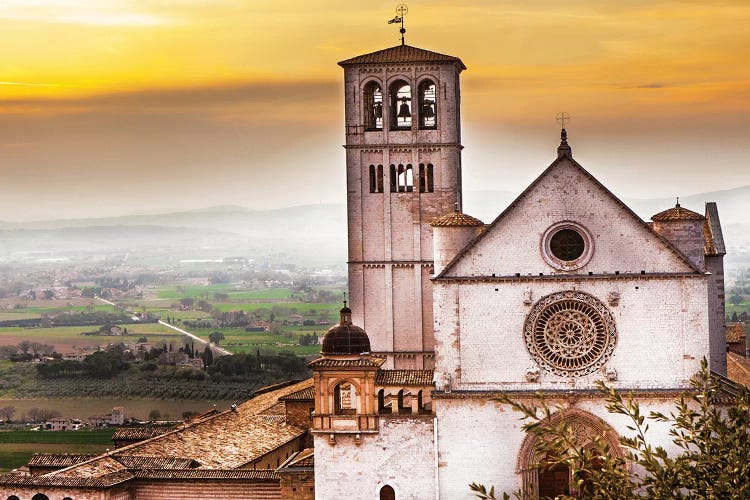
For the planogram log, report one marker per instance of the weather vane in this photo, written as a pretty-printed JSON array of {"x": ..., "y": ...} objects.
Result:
[
  {"x": 562, "y": 118},
  {"x": 401, "y": 11}
]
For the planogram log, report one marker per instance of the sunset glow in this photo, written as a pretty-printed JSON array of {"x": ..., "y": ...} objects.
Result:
[{"x": 117, "y": 89}]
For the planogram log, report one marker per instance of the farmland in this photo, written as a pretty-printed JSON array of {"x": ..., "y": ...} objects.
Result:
[{"x": 17, "y": 447}]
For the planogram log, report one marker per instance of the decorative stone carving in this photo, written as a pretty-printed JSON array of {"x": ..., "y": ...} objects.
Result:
[
  {"x": 613, "y": 298},
  {"x": 610, "y": 374},
  {"x": 532, "y": 375},
  {"x": 527, "y": 297},
  {"x": 570, "y": 333}
]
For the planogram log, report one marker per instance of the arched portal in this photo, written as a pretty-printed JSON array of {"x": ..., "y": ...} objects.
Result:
[{"x": 554, "y": 481}]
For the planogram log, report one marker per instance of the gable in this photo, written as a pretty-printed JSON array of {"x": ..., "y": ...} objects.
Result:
[{"x": 620, "y": 242}]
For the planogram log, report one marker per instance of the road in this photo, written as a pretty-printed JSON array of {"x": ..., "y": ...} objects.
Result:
[{"x": 217, "y": 350}]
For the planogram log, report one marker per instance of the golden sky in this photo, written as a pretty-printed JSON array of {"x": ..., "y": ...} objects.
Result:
[{"x": 219, "y": 98}]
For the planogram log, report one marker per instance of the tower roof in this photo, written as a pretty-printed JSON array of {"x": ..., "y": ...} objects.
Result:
[
  {"x": 402, "y": 54},
  {"x": 677, "y": 213},
  {"x": 345, "y": 338},
  {"x": 456, "y": 219}
]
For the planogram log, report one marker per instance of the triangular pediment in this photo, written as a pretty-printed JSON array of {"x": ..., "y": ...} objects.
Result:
[{"x": 566, "y": 195}]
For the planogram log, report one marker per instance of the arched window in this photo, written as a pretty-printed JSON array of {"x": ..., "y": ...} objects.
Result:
[
  {"x": 67, "y": 498},
  {"x": 382, "y": 408},
  {"x": 427, "y": 104},
  {"x": 373, "y": 106},
  {"x": 376, "y": 179},
  {"x": 426, "y": 182},
  {"x": 373, "y": 180},
  {"x": 344, "y": 399},
  {"x": 404, "y": 402},
  {"x": 40, "y": 496},
  {"x": 401, "y": 112},
  {"x": 13, "y": 497},
  {"x": 387, "y": 493},
  {"x": 405, "y": 178}
]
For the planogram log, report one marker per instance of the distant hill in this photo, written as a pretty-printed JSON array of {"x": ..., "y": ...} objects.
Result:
[{"x": 308, "y": 233}]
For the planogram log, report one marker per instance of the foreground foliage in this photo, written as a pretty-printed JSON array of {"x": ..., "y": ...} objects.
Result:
[{"x": 711, "y": 429}]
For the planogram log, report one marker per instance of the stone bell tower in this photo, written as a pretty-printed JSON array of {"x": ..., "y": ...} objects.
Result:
[{"x": 403, "y": 162}]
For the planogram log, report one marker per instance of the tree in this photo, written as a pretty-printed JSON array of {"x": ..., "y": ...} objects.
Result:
[
  {"x": 187, "y": 302},
  {"x": 154, "y": 415},
  {"x": 736, "y": 299},
  {"x": 216, "y": 337},
  {"x": 24, "y": 346},
  {"x": 713, "y": 439},
  {"x": 7, "y": 412},
  {"x": 208, "y": 357}
]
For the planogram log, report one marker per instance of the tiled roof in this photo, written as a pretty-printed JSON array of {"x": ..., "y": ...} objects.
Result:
[
  {"x": 677, "y": 213},
  {"x": 206, "y": 474},
  {"x": 456, "y": 219},
  {"x": 735, "y": 333},
  {"x": 738, "y": 368},
  {"x": 138, "y": 433},
  {"x": 221, "y": 441},
  {"x": 103, "y": 481},
  {"x": 140, "y": 462},
  {"x": 405, "y": 377},
  {"x": 60, "y": 460},
  {"x": 302, "y": 459},
  {"x": 305, "y": 394},
  {"x": 362, "y": 362},
  {"x": 402, "y": 54}
]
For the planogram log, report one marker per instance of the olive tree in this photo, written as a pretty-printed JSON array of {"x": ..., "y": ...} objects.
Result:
[{"x": 710, "y": 425}]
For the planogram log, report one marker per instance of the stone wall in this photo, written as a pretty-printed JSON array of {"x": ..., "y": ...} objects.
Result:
[{"x": 400, "y": 455}]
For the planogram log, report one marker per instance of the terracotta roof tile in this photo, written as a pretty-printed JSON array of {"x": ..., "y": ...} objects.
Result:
[
  {"x": 738, "y": 368},
  {"x": 103, "y": 481},
  {"x": 220, "y": 441},
  {"x": 368, "y": 362},
  {"x": 677, "y": 213},
  {"x": 206, "y": 474},
  {"x": 141, "y": 462},
  {"x": 138, "y": 433},
  {"x": 456, "y": 219},
  {"x": 306, "y": 394},
  {"x": 405, "y": 377},
  {"x": 402, "y": 54},
  {"x": 735, "y": 333},
  {"x": 60, "y": 460}
]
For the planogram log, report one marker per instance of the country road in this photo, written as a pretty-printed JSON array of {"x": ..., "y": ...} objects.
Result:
[{"x": 218, "y": 350}]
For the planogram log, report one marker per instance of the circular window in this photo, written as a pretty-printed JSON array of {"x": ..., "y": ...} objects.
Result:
[
  {"x": 570, "y": 334},
  {"x": 567, "y": 246}
]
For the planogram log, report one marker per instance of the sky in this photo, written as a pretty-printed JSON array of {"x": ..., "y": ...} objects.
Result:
[{"x": 112, "y": 107}]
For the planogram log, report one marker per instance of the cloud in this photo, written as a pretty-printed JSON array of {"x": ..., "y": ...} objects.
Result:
[
  {"x": 279, "y": 99},
  {"x": 28, "y": 84},
  {"x": 100, "y": 13}
]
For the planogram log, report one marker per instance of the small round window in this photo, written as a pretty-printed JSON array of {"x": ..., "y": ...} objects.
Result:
[{"x": 567, "y": 246}]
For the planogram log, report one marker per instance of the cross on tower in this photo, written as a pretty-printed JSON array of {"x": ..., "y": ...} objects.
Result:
[{"x": 562, "y": 118}]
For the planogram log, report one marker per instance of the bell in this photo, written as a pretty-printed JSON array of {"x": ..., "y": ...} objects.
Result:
[
  {"x": 377, "y": 110},
  {"x": 403, "y": 110},
  {"x": 427, "y": 110}
]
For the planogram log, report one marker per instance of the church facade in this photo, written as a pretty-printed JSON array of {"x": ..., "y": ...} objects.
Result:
[{"x": 565, "y": 287}]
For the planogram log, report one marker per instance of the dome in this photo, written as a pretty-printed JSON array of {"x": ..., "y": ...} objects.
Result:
[
  {"x": 345, "y": 338},
  {"x": 456, "y": 219},
  {"x": 677, "y": 213}
]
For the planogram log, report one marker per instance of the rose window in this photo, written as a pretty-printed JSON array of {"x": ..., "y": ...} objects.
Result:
[{"x": 570, "y": 333}]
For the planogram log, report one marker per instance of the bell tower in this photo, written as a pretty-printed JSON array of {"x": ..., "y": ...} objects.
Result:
[{"x": 403, "y": 164}]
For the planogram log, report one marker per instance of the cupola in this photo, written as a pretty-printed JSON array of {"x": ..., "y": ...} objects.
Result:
[{"x": 345, "y": 339}]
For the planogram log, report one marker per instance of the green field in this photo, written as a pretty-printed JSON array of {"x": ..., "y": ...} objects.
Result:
[
  {"x": 207, "y": 292},
  {"x": 99, "y": 436},
  {"x": 17, "y": 447}
]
